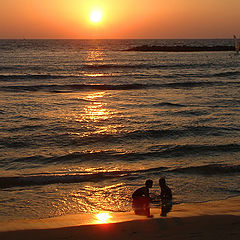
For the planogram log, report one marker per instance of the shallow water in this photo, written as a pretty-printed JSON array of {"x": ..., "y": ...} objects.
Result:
[{"x": 84, "y": 123}]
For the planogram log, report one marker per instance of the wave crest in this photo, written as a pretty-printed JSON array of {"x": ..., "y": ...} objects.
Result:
[{"x": 211, "y": 169}]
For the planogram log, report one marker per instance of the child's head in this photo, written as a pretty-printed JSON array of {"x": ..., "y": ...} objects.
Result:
[
  {"x": 162, "y": 181},
  {"x": 149, "y": 183}
]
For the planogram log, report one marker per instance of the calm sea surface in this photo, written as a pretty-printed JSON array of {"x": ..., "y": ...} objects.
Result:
[{"x": 84, "y": 123}]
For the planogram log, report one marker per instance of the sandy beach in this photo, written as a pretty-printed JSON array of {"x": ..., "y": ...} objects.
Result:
[
  {"x": 119, "y": 120},
  {"x": 210, "y": 220}
]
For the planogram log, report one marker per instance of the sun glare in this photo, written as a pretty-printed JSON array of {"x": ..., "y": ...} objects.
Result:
[{"x": 96, "y": 16}]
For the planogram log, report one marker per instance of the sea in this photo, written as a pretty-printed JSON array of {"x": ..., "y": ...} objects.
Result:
[{"x": 83, "y": 123}]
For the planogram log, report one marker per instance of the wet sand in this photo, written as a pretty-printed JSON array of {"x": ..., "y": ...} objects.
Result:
[{"x": 210, "y": 220}]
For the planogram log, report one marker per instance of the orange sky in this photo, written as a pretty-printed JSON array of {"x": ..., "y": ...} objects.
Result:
[{"x": 121, "y": 19}]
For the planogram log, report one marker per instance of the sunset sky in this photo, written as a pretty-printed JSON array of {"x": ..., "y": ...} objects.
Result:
[{"x": 119, "y": 19}]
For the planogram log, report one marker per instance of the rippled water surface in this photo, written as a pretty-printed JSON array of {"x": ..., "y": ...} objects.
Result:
[{"x": 84, "y": 123}]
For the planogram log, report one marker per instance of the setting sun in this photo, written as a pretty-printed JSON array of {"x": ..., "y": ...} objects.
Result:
[{"x": 96, "y": 16}]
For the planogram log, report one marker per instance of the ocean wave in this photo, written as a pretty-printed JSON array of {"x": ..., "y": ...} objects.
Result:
[
  {"x": 79, "y": 157},
  {"x": 61, "y": 178},
  {"x": 67, "y": 137},
  {"x": 186, "y": 150},
  {"x": 7, "y": 182},
  {"x": 194, "y": 84},
  {"x": 56, "y": 178},
  {"x": 171, "y": 132},
  {"x": 191, "y": 113},
  {"x": 227, "y": 74},
  {"x": 71, "y": 157},
  {"x": 141, "y": 66},
  {"x": 155, "y": 152},
  {"x": 210, "y": 169},
  {"x": 135, "y": 86},
  {"x": 35, "y": 76},
  {"x": 74, "y": 87},
  {"x": 168, "y": 104},
  {"x": 82, "y": 70},
  {"x": 23, "y": 128},
  {"x": 92, "y": 67}
]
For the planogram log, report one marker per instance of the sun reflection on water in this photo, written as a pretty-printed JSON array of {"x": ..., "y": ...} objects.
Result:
[
  {"x": 90, "y": 115},
  {"x": 97, "y": 198},
  {"x": 95, "y": 55},
  {"x": 96, "y": 111},
  {"x": 95, "y": 95},
  {"x": 94, "y": 74},
  {"x": 94, "y": 59}
]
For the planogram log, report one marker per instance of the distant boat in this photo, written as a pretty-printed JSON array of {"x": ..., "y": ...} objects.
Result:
[{"x": 236, "y": 44}]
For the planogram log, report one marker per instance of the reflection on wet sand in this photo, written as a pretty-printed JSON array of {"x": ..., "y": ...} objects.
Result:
[
  {"x": 103, "y": 217},
  {"x": 141, "y": 206},
  {"x": 165, "y": 209}
]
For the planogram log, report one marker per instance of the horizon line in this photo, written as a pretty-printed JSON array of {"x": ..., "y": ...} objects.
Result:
[{"x": 24, "y": 38}]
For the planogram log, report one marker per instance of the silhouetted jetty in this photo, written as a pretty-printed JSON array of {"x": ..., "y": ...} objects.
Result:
[{"x": 183, "y": 48}]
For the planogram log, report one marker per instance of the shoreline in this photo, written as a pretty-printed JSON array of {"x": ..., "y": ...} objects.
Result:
[{"x": 220, "y": 217}]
